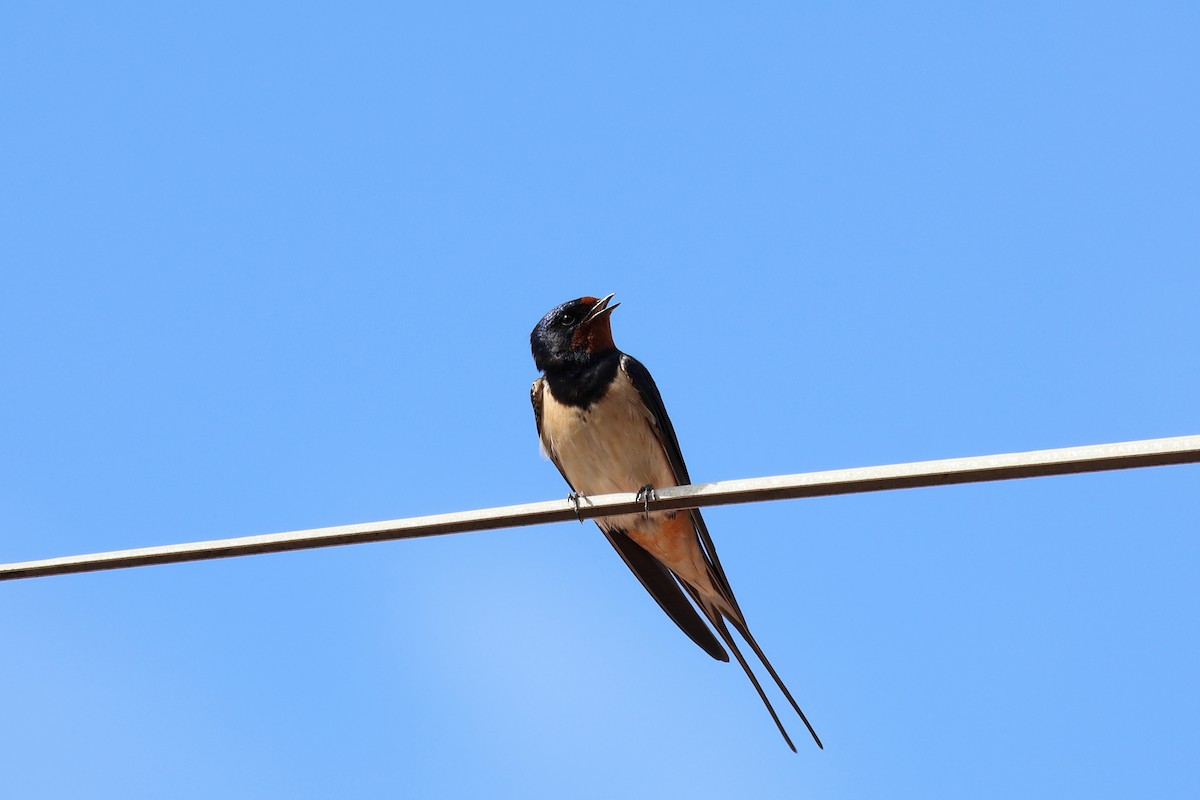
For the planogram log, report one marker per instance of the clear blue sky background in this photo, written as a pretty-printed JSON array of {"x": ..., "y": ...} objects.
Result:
[{"x": 273, "y": 267}]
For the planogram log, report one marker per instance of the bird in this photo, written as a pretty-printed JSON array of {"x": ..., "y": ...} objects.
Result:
[{"x": 601, "y": 421}]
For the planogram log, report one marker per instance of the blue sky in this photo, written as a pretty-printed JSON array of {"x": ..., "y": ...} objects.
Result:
[{"x": 272, "y": 267}]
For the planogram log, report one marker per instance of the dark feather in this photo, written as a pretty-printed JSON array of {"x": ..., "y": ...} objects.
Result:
[
  {"x": 648, "y": 390},
  {"x": 663, "y": 587},
  {"x": 665, "y": 431}
]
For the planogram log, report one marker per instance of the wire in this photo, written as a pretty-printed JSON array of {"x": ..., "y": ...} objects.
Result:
[{"x": 1037, "y": 463}]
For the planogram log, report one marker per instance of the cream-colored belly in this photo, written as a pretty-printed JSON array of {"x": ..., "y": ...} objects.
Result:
[{"x": 608, "y": 447}]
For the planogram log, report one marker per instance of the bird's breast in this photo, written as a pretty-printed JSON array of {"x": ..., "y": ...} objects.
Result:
[{"x": 609, "y": 446}]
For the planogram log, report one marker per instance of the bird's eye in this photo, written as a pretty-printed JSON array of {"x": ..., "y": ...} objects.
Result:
[{"x": 566, "y": 319}]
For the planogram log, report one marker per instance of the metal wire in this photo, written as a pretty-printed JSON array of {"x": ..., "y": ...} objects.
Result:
[{"x": 1064, "y": 461}]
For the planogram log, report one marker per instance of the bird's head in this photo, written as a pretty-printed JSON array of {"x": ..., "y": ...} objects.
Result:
[{"x": 573, "y": 333}]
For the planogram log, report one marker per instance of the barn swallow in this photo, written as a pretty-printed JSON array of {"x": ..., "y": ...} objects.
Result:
[{"x": 601, "y": 421}]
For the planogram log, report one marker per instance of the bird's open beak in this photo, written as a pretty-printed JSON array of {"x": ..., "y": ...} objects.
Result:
[{"x": 601, "y": 309}]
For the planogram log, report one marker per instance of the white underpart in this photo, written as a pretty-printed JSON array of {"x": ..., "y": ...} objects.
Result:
[{"x": 609, "y": 447}]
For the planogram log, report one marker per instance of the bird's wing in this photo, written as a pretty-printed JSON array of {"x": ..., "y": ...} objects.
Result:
[
  {"x": 663, "y": 587},
  {"x": 655, "y": 577},
  {"x": 536, "y": 396},
  {"x": 665, "y": 432}
]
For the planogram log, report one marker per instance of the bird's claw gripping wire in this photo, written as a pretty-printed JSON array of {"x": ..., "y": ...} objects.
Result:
[
  {"x": 644, "y": 496},
  {"x": 573, "y": 499}
]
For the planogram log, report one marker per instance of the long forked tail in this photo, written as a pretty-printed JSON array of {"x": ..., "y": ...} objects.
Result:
[
  {"x": 717, "y": 618},
  {"x": 741, "y": 628}
]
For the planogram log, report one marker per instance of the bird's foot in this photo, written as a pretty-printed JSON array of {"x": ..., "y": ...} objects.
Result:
[
  {"x": 573, "y": 498},
  {"x": 644, "y": 496}
]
